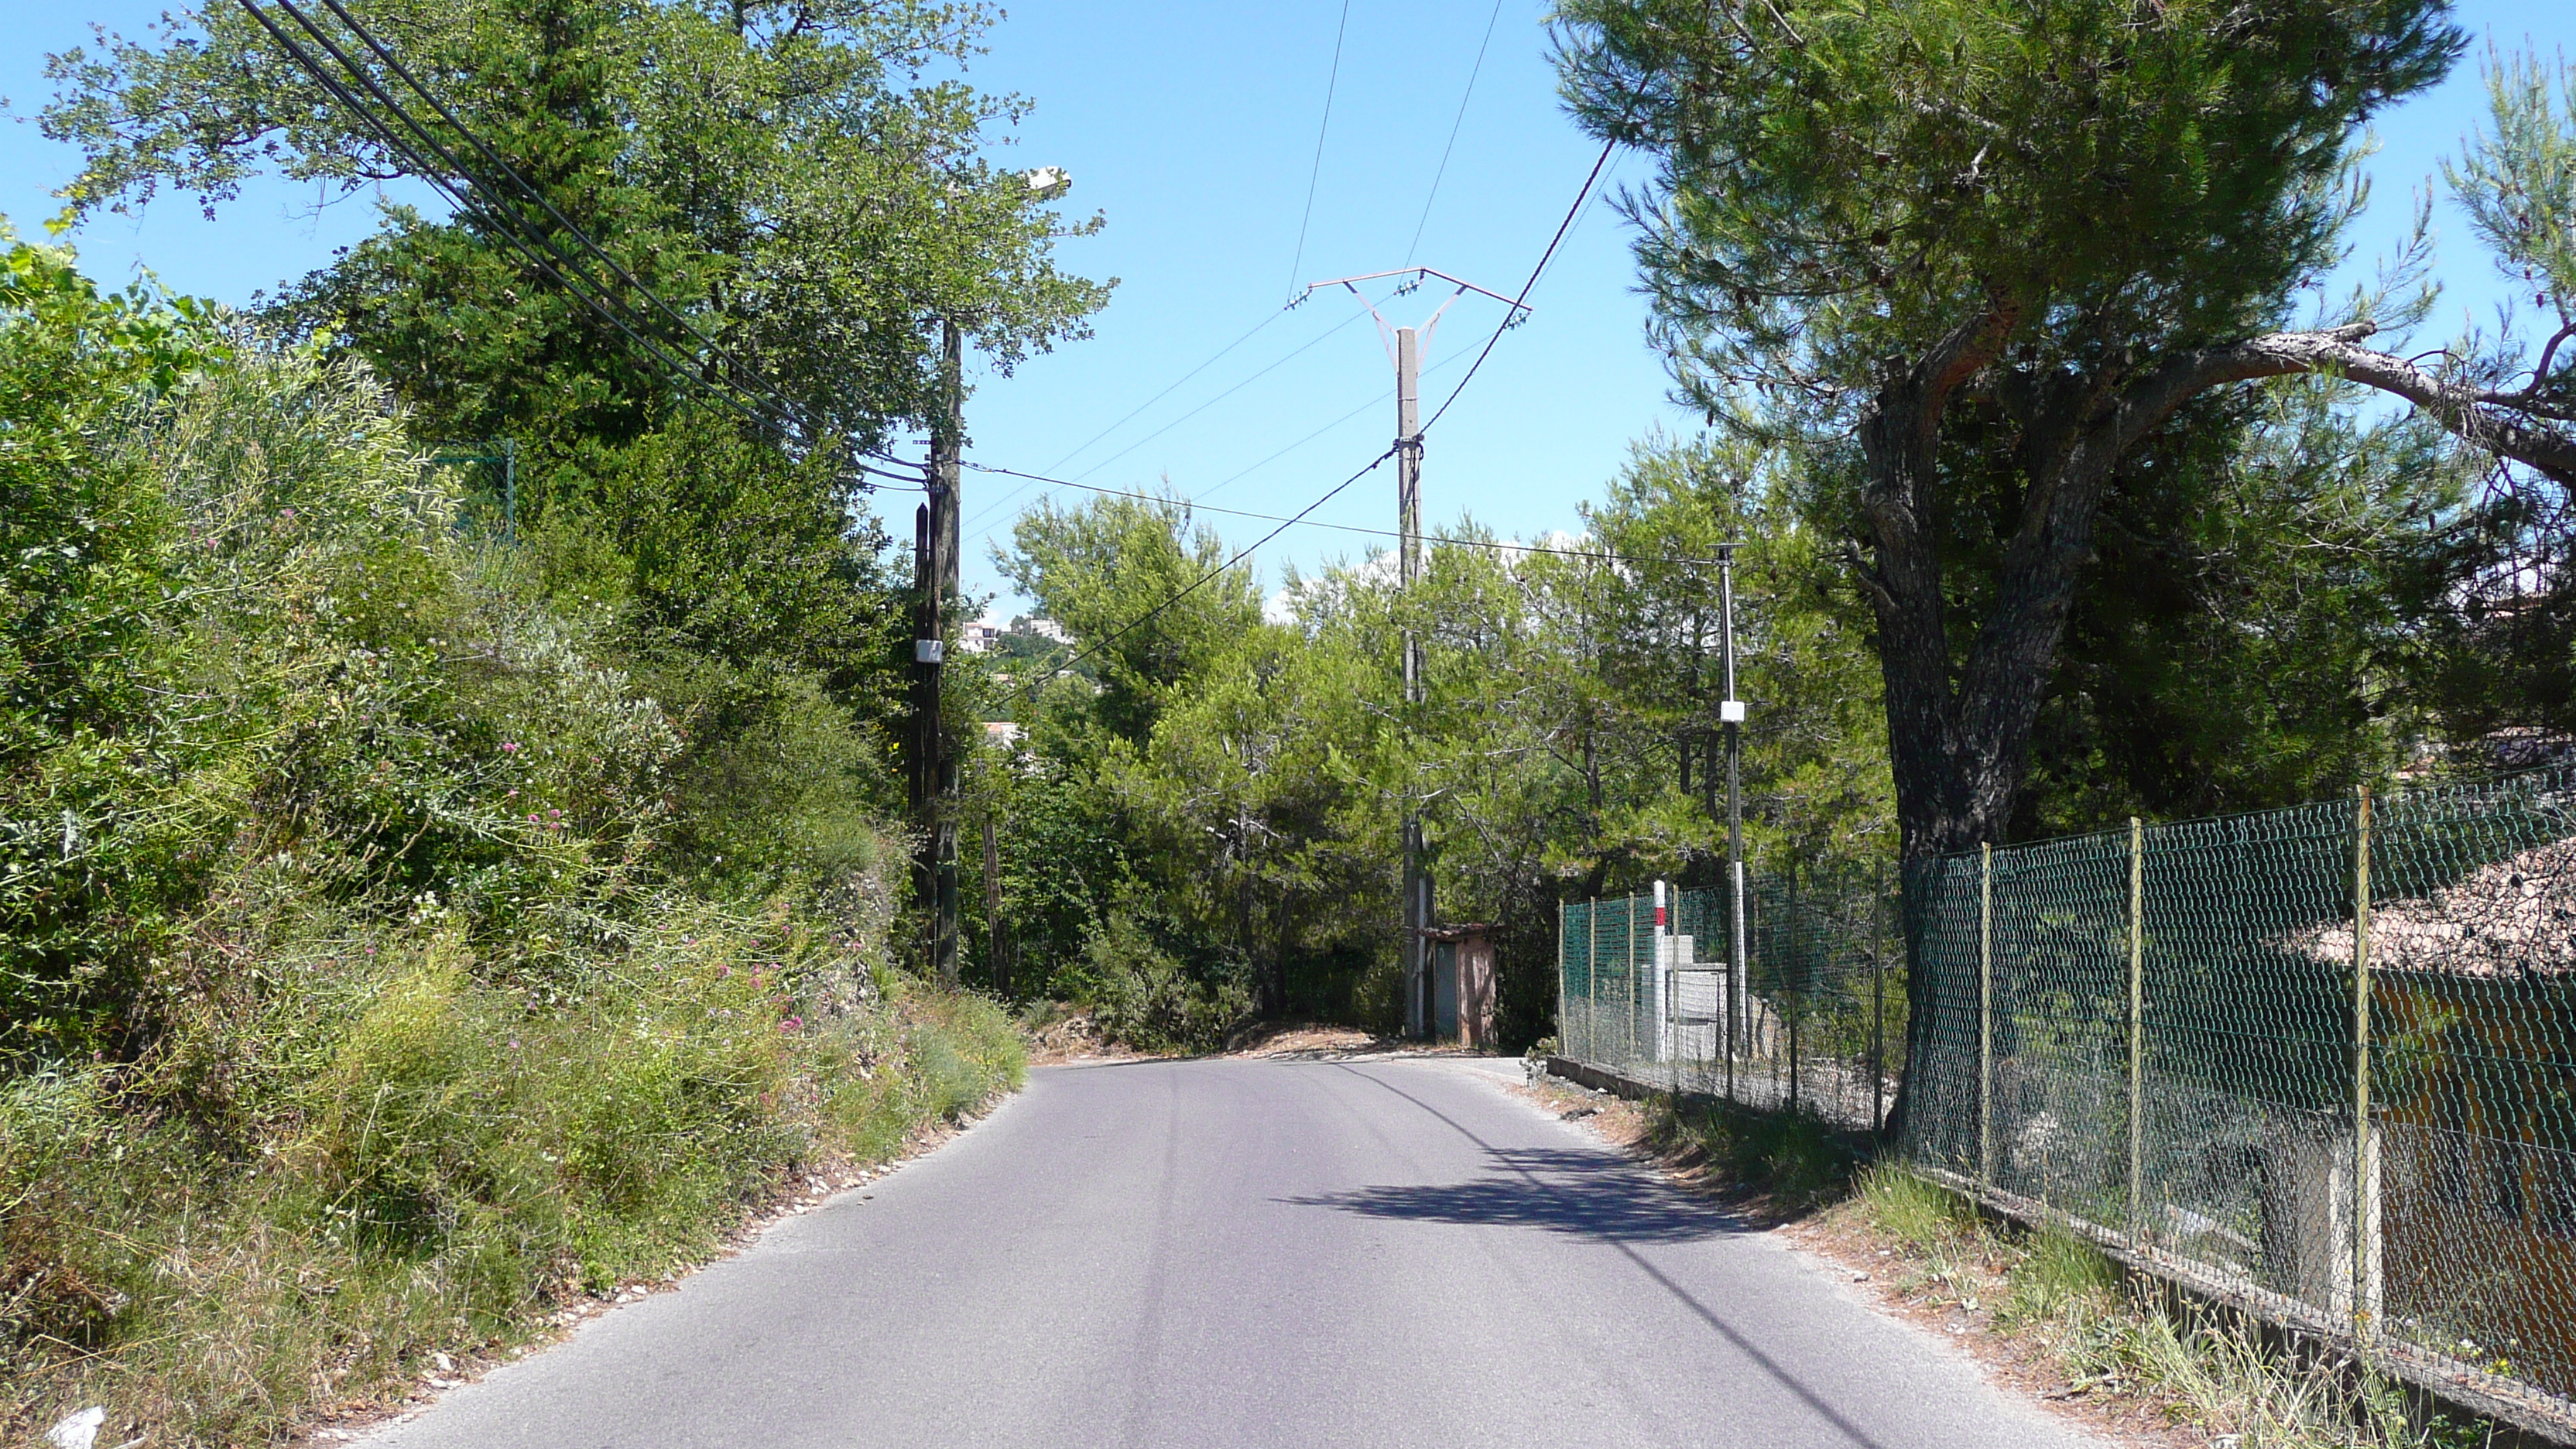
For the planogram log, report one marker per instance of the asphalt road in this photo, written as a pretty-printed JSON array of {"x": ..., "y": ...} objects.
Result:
[{"x": 1227, "y": 1252}]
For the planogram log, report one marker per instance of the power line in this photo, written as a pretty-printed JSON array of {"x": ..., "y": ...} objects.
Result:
[
  {"x": 1460, "y": 120},
  {"x": 1545, "y": 257},
  {"x": 1332, "y": 82},
  {"x": 1166, "y": 392},
  {"x": 509, "y": 226},
  {"x": 508, "y": 172},
  {"x": 1229, "y": 479},
  {"x": 537, "y": 194},
  {"x": 1196, "y": 584},
  {"x": 1192, "y": 505},
  {"x": 1309, "y": 345},
  {"x": 1005, "y": 500},
  {"x": 1518, "y": 303}
]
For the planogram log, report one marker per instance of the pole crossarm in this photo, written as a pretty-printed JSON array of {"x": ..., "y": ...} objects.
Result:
[{"x": 1519, "y": 308}]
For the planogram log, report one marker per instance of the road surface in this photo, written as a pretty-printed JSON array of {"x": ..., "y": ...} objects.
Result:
[{"x": 1230, "y": 1252}]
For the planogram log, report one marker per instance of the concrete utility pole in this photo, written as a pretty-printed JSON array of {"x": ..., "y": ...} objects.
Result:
[
  {"x": 932, "y": 772},
  {"x": 1404, "y": 348},
  {"x": 1418, "y": 1016}
]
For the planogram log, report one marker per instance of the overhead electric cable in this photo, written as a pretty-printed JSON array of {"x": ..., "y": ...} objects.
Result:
[
  {"x": 1460, "y": 120},
  {"x": 588, "y": 243},
  {"x": 509, "y": 226},
  {"x": 509, "y": 172},
  {"x": 1220, "y": 397},
  {"x": 1240, "y": 554},
  {"x": 1192, "y": 505},
  {"x": 1220, "y": 355},
  {"x": 1332, "y": 82},
  {"x": 998, "y": 504},
  {"x": 1377, "y": 401},
  {"x": 1545, "y": 257}
]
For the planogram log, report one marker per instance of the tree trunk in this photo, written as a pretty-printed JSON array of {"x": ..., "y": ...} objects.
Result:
[{"x": 1959, "y": 731}]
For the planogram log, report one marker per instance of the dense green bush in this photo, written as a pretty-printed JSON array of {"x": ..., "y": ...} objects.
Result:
[
  {"x": 1144, "y": 996},
  {"x": 391, "y": 941}
]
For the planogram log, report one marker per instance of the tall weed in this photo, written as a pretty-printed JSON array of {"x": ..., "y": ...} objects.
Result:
[{"x": 352, "y": 1001}]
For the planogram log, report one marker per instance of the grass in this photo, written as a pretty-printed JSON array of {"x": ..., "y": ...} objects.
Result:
[
  {"x": 456, "y": 1167},
  {"x": 2048, "y": 1296},
  {"x": 1789, "y": 1164},
  {"x": 2055, "y": 1296}
]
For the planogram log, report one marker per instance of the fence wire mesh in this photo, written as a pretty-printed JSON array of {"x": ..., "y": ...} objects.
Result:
[
  {"x": 1810, "y": 1019},
  {"x": 2188, "y": 1041}
]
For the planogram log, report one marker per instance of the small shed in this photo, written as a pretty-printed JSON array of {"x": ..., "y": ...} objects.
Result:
[{"x": 1462, "y": 983}]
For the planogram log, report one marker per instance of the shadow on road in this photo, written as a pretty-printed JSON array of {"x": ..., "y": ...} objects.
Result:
[{"x": 1555, "y": 1189}]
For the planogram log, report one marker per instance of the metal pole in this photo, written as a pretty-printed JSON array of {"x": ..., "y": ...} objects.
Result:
[
  {"x": 1592, "y": 980},
  {"x": 1797, "y": 993},
  {"x": 1408, "y": 508},
  {"x": 2363, "y": 1218},
  {"x": 1632, "y": 981},
  {"x": 1985, "y": 1013},
  {"x": 1731, "y": 712},
  {"x": 2137, "y": 1027}
]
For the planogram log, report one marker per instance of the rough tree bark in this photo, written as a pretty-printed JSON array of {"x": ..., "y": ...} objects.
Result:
[{"x": 1959, "y": 730}]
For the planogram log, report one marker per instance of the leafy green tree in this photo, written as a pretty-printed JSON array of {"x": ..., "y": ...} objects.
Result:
[
  {"x": 2263, "y": 613},
  {"x": 780, "y": 174},
  {"x": 1124, "y": 576},
  {"x": 1980, "y": 258}
]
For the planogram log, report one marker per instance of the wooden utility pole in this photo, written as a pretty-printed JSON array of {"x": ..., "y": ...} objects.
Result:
[{"x": 932, "y": 772}]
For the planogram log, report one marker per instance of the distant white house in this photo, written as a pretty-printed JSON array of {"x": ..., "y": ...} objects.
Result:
[
  {"x": 979, "y": 636},
  {"x": 1043, "y": 628}
]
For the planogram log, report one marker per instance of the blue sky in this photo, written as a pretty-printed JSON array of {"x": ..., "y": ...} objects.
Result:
[{"x": 1194, "y": 128}]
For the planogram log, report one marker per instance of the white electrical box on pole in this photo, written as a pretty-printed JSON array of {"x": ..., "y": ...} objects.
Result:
[{"x": 1404, "y": 348}]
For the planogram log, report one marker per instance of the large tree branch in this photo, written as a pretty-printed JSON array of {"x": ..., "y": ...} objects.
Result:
[{"x": 2486, "y": 419}]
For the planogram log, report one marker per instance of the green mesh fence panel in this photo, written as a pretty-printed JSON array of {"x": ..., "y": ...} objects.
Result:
[
  {"x": 2162, "y": 1035},
  {"x": 1815, "y": 1021}
]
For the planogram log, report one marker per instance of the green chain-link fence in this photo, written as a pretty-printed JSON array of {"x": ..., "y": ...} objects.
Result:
[
  {"x": 2187, "y": 1041},
  {"x": 1817, "y": 1019}
]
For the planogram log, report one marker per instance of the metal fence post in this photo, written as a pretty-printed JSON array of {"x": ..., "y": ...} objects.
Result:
[
  {"x": 1592, "y": 980},
  {"x": 2362, "y": 1204},
  {"x": 1631, "y": 1059},
  {"x": 1985, "y": 1014},
  {"x": 2137, "y": 1028},
  {"x": 1563, "y": 1044}
]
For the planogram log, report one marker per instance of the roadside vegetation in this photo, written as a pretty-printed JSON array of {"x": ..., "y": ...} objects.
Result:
[
  {"x": 361, "y": 1000},
  {"x": 451, "y": 859},
  {"x": 2046, "y": 1306}
]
